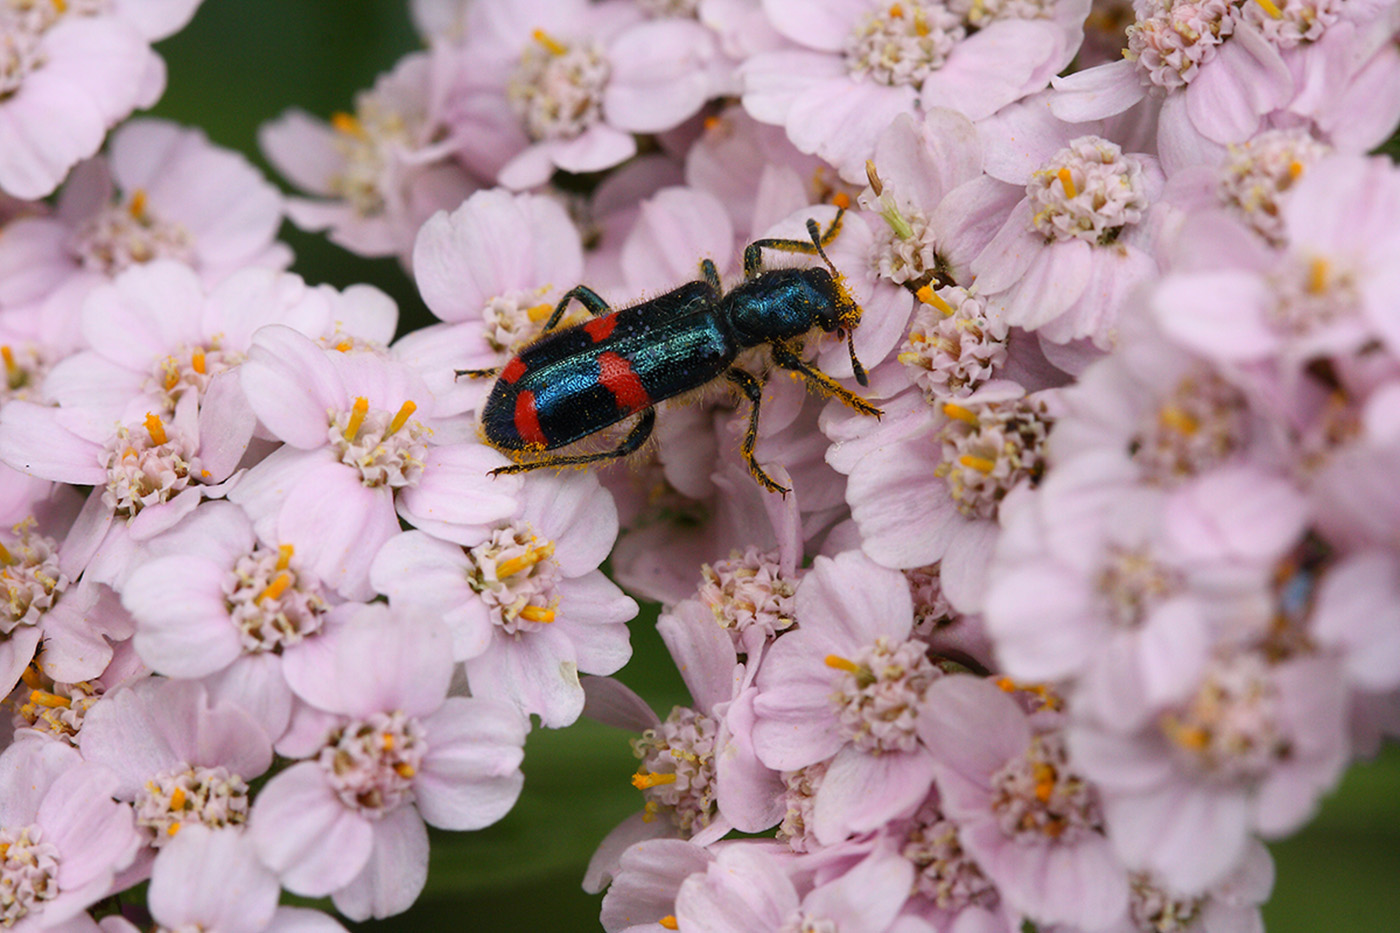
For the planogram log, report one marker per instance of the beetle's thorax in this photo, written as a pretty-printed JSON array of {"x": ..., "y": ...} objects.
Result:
[{"x": 780, "y": 304}]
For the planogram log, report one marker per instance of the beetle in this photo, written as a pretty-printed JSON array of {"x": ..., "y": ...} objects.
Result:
[{"x": 574, "y": 381}]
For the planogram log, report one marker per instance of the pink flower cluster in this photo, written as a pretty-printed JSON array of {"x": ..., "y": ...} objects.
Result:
[{"x": 1108, "y": 595}]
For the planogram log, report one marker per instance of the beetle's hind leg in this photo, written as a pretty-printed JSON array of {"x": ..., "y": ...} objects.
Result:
[
  {"x": 753, "y": 253},
  {"x": 633, "y": 442},
  {"x": 586, "y": 296},
  {"x": 787, "y": 359},
  {"x": 754, "y": 390}
]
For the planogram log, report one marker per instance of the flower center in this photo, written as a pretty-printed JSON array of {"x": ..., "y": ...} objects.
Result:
[
  {"x": 902, "y": 43},
  {"x": 557, "y": 89},
  {"x": 21, "y": 33},
  {"x": 1172, "y": 39},
  {"x": 189, "y": 370},
  {"x": 1087, "y": 191},
  {"x": 1154, "y": 910},
  {"x": 1289, "y": 23},
  {"x": 207, "y": 796},
  {"x": 1038, "y": 800},
  {"x": 1311, "y": 292},
  {"x": 748, "y": 591},
  {"x": 1201, "y": 423},
  {"x": 946, "y": 875},
  {"x": 271, "y": 603},
  {"x": 1132, "y": 583},
  {"x": 371, "y": 762},
  {"x": 981, "y": 13},
  {"x": 25, "y": 366},
  {"x": 905, "y": 250},
  {"x": 877, "y": 694},
  {"x": 368, "y": 141},
  {"x": 28, "y": 873},
  {"x": 678, "y": 768},
  {"x": 386, "y": 448},
  {"x": 799, "y": 798},
  {"x": 1256, "y": 174},
  {"x": 57, "y": 709},
  {"x": 511, "y": 320},
  {"x": 30, "y": 577},
  {"x": 517, "y": 577},
  {"x": 987, "y": 452},
  {"x": 932, "y": 611},
  {"x": 1229, "y": 730},
  {"x": 124, "y": 235},
  {"x": 146, "y": 467},
  {"x": 952, "y": 347}
]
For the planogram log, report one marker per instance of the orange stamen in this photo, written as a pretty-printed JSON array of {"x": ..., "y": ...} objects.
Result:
[
  {"x": 405, "y": 412},
  {"x": 156, "y": 429},
  {"x": 552, "y": 45},
  {"x": 276, "y": 588},
  {"x": 645, "y": 781},
  {"x": 197, "y": 360},
  {"x": 347, "y": 123},
  {"x": 1067, "y": 182},
  {"x": 537, "y": 614},
  {"x": 959, "y": 413},
  {"x": 357, "y": 418}
]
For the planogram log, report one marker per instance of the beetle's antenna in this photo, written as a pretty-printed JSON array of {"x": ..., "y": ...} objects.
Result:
[
  {"x": 815, "y": 233},
  {"x": 859, "y": 370}
]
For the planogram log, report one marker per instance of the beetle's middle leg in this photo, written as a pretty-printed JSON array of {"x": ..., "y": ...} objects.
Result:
[
  {"x": 586, "y": 296},
  {"x": 784, "y": 356},
  {"x": 753, "y": 253},
  {"x": 754, "y": 390},
  {"x": 635, "y": 438}
]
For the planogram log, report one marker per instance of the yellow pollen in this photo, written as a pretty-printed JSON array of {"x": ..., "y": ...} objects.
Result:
[
  {"x": 386, "y": 740},
  {"x": 1044, "y": 781},
  {"x": 842, "y": 664},
  {"x": 404, "y": 770},
  {"x": 1177, "y": 420},
  {"x": 1067, "y": 182},
  {"x": 174, "y": 828},
  {"x": 347, "y": 123},
  {"x": 357, "y": 418},
  {"x": 841, "y": 199},
  {"x": 959, "y": 413},
  {"x": 1006, "y": 684},
  {"x": 531, "y": 557},
  {"x": 896, "y": 11},
  {"x": 1319, "y": 272},
  {"x": 1295, "y": 168},
  {"x": 537, "y": 614},
  {"x": 552, "y": 45},
  {"x": 344, "y": 346},
  {"x": 156, "y": 429},
  {"x": 51, "y": 700},
  {"x": 980, "y": 464},
  {"x": 645, "y": 781},
  {"x": 137, "y": 206},
  {"x": 276, "y": 588},
  {"x": 920, "y": 23},
  {"x": 177, "y": 799},
  {"x": 539, "y": 313},
  {"x": 11, "y": 367},
  {"x": 197, "y": 360},
  {"x": 172, "y": 375},
  {"x": 910, "y": 358},
  {"x": 405, "y": 412},
  {"x": 284, "y": 556},
  {"x": 1269, "y": 7},
  {"x": 928, "y": 296},
  {"x": 668, "y": 922}
]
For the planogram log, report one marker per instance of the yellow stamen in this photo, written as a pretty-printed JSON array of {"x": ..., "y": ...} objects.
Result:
[
  {"x": 1177, "y": 420},
  {"x": 537, "y": 614},
  {"x": 197, "y": 360},
  {"x": 538, "y": 313},
  {"x": 980, "y": 464},
  {"x": 347, "y": 123},
  {"x": 174, "y": 828},
  {"x": 841, "y": 199},
  {"x": 156, "y": 429},
  {"x": 928, "y": 296},
  {"x": 357, "y": 418},
  {"x": 60, "y": 6},
  {"x": 11, "y": 367},
  {"x": 405, "y": 412},
  {"x": 1067, "y": 182},
  {"x": 1006, "y": 684},
  {"x": 668, "y": 922},
  {"x": 842, "y": 664},
  {"x": 1270, "y": 8},
  {"x": 910, "y": 359},
  {"x": 137, "y": 206},
  {"x": 6, "y": 557},
  {"x": 552, "y": 45},
  {"x": 386, "y": 740},
  {"x": 344, "y": 346},
  {"x": 276, "y": 588},
  {"x": 1044, "y": 782},
  {"x": 531, "y": 557},
  {"x": 284, "y": 556},
  {"x": 1295, "y": 168},
  {"x": 644, "y": 781},
  {"x": 896, "y": 11},
  {"x": 177, "y": 799},
  {"x": 1319, "y": 272},
  {"x": 172, "y": 375},
  {"x": 51, "y": 700},
  {"x": 404, "y": 770},
  {"x": 921, "y": 27},
  {"x": 959, "y": 413}
]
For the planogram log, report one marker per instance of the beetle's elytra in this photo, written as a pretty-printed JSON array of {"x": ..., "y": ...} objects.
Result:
[{"x": 575, "y": 381}]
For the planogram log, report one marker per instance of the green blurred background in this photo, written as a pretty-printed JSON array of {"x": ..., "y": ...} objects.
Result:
[{"x": 239, "y": 64}]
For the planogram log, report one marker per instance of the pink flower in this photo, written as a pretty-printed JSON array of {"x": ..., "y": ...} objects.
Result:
[
  {"x": 857, "y": 64},
  {"x": 648, "y": 879},
  {"x": 379, "y": 172},
  {"x": 350, "y": 821},
  {"x": 527, "y": 607},
  {"x": 70, "y": 76},
  {"x": 65, "y": 837},
  {"x": 1024, "y": 813}
]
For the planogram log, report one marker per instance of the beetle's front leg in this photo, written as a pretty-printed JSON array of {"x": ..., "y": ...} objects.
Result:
[{"x": 784, "y": 356}]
